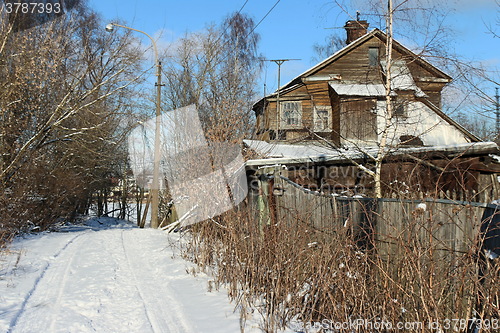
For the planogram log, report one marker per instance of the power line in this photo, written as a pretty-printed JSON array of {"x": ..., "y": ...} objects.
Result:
[
  {"x": 227, "y": 27},
  {"x": 229, "y": 23},
  {"x": 255, "y": 27},
  {"x": 269, "y": 12},
  {"x": 239, "y": 11}
]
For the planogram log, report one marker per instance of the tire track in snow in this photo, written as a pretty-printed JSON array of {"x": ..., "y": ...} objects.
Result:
[
  {"x": 163, "y": 310},
  {"x": 23, "y": 320}
]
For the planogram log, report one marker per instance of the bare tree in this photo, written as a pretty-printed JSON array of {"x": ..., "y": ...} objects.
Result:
[
  {"x": 332, "y": 44},
  {"x": 217, "y": 70},
  {"x": 61, "y": 103}
]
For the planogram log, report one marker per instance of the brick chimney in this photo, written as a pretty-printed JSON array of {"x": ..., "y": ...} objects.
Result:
[{"x": 355, "y": 29}]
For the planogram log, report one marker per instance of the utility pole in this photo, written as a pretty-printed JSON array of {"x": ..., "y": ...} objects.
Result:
[
  {"x": 279, "y": 62},
  {"x": 497, "y": 111},
  {"x": 155, "y": 188},
  {"x": 155, "y": 191}
]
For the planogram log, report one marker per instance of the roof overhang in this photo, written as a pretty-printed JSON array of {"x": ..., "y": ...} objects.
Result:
[{"x": 290, "y": 155}]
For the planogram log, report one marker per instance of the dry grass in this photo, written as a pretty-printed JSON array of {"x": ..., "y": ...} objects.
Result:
[{"x": 293, "y": 273}]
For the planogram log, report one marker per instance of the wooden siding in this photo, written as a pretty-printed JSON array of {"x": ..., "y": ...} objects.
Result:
[
  {"x": 335, "y": 117},
  {"x": 299, "y": 94},
  {"x": 467, "y": 178},
  {"x": 354, "y": 66},
  {"x": 433, "y": 90},
  {"x": 357, "y": 119}
]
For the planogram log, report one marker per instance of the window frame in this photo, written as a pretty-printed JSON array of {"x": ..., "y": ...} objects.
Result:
[
  {"x": 317, "y": 118},
  {"x": 285, "y": 120},
  {"x": 373, "y": 56}
]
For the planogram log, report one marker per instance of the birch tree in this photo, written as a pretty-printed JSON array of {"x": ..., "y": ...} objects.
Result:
[
  {"x": 386, "y": 115},
  {"x": 382, "y": 149},
  {"x": 421, "y": 22}
]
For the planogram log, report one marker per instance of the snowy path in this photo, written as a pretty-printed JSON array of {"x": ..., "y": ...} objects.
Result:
[{"x": 115, "y": 278}]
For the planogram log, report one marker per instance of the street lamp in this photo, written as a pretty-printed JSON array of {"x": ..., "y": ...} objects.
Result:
[{"x": 155, "y": 190}]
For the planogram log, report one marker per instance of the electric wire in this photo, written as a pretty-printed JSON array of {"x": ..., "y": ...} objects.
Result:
[{"x": 246, "y": 36}]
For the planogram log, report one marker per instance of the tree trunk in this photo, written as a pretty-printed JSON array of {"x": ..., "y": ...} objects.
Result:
[{"x": 382, "y": 149}]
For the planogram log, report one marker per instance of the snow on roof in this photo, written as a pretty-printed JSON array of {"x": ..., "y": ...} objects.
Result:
[
  {"x": 287, "y": 150},
  {"x": 279, "y": 153},
  {"x": 355, "y": 43},
  {"x": 401, "y": 77},
  {"x": 358, "y": 89}
]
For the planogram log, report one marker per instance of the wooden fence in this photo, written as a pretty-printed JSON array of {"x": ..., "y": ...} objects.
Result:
[
  {"x": 446, "y": 225},
  {"x": 428, "y": 251}
]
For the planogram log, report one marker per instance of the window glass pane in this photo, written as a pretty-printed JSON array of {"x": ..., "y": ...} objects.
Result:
[
  {"x": 322, "y": 115},
  {"x": 291, "y": 113},
  {"x": 373, "y": 56}
]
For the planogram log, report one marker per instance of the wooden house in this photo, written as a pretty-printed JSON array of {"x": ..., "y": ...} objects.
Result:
[
  {"x": 322, "y": 125},
  {"x": 343, "y": 98}
]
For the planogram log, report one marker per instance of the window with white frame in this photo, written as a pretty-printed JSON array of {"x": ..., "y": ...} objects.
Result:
[
  {"x": 322, "y": 118},
  {"x": 291, "y": 114}
]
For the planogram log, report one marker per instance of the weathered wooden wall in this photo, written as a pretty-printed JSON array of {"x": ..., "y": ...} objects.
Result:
[
  {"x": 408, "y": 177},
  {"x": 358, "y": 121},
  {"x": 449, "y": 227}
]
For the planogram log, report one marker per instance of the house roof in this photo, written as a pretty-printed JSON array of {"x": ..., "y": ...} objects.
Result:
[
  {"x": 402, "y": 78},
  {"x": 374, "y": 33},
  {"x": 382, "y": 36},
  {"x": 289, "y": 154}
]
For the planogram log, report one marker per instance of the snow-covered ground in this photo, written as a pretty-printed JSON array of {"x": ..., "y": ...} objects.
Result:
[{"x": 107, "y": 276}]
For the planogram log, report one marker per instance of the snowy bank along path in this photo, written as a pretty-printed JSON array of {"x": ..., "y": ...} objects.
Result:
[{"x": 107, "y": 276}]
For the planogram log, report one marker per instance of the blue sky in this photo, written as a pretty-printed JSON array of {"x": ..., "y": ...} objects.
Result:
[{"x": 293, "y": 26}]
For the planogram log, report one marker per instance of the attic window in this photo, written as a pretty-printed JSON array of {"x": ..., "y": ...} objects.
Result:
[
  {"x": 291, "y": 114},
  {"x": 373, "y": 56}
]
